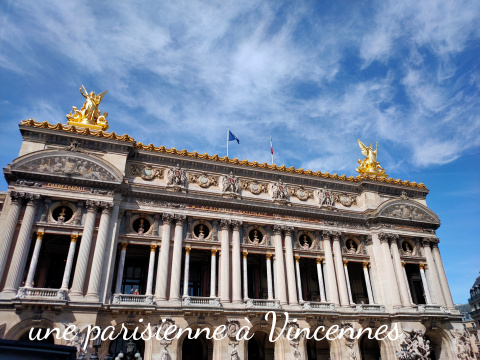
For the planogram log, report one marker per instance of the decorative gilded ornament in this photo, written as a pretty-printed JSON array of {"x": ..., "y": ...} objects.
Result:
[
  {"x": 89, "y": 116},
  {"x": 369, "y": 165}
]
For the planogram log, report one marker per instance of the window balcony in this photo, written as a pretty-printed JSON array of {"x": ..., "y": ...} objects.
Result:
[
  {"x": 42, "y": 294},
  {"x": 132, "y": 299},
  {"x": 201, "y": 301},
  {"x": 263, "y": 304},
  {"x": 318, "y": 306},
  {"x": 370, "y": 308}
]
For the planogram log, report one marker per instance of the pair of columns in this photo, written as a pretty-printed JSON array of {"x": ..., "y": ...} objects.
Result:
[
  {"x": 36, "y": 254},
  {"x": 213, "y": 272},
  {"x": 121, "y": 267},
  {"x": 270, "y": 285},
  {"x": 225, "y": 262}
]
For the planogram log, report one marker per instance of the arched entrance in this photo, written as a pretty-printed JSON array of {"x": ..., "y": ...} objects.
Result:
[
  {"x": 260, "y": 348},
  {"x": 26, "y": 338},
  {"x": 120, "y": 345},
  {"x": 318, "y": 350},
  {"x": 369, "y": 349},
  {"x": 197, "y": 349}
]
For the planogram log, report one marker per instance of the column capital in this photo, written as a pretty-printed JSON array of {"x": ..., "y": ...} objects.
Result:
[
  {"x": 40, "y": 234},
  {"x": 236, "y": 224},
  {"x": 368, "y": 240},
  {"x": 297, "y": 258},
  {"x": 92, "y": 206},
  {"x": 345, "y": 262},
  {"x": 403, "y": 263},
  {"x": 106, "y": 207},
  {"x": 319, "y": 260},
  {"x": 214, "y": 251},
  {"x": 73, "y": 237},
  {"x": 188, "y": 249},
  {"x": 224, "y": 224},
  {"x": 167, "y": 218},
  {"x": 268, "y": 256},
  {"x": 422, "y": 266},
  {"x": 277, "y": 230},
  {"x": 383, "y": 237},
  {"x": 180, "y": 219},
  {"x": 326, "y": 234},
  {"x": 366, "y": 264},
  {"x": 17, "y": 197},
  {"x": 245, "y": 253},
  {"x": 124, "y": 245},
  {"x": 32, "y": 199},
  {"x": 336, "y": 235},
  {"x": 153, "y": 247},
  {"x": 288, "y": 230}
]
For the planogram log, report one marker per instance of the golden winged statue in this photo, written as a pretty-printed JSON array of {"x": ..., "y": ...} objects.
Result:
[
  {"x": 369, "y": 165},
  {"x": 89, "y": 115}
]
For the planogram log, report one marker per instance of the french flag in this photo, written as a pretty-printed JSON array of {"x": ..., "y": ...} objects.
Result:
[{"x": 271, "y": 145}]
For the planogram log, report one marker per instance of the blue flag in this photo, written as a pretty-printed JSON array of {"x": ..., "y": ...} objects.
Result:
[{"x": 232, "y": 137}]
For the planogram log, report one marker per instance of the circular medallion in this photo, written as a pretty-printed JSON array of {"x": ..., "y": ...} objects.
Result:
[
  {"x": 203, "y": 179},
  {"x": 255, "y": 188}
]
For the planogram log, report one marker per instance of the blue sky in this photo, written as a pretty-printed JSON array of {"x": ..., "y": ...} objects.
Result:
[{"x": 316, "y": 75}]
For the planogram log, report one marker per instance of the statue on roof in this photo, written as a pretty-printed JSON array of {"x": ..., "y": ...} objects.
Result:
[
  {"x": 369, "y": 165},
  {"x": 89, "y": 115}
]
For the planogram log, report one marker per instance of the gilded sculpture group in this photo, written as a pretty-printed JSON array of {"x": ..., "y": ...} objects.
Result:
[{"x": 89, "y": 116}]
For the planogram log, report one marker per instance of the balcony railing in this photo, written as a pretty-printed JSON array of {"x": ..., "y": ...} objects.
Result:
[
  {"x": 315, "y": 306},
  {"x": 428, "y": 308},
  {"x": 129, "y": 299},
  {"x": 200, "y": 301},
  {"x": 263, "y": 304},
  {"x": 41, "y": 293},
  {"x": 370, "y": 308}
]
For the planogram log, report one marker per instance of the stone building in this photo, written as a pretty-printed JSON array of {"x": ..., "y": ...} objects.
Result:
[
  {"x": 474, "y": 302},
  {"x": 100, "y": 229}
]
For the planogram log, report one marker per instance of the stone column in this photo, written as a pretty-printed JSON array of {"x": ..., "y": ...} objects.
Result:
[
  {"x": 213, "y": 273},
  {"x": 269, "y": 277},
  {"x": 434, "y": 278},
  {"x": 342, "y": 283},
  {"x": 275, "y": 286},
  {"x": 177, "y": 258},
  {"x": 9, "y": 229},
  {"x": 280, "y": 267},
  {"x": 19, "y": 258},
  {"x": 331, "y": 279},
  {"x": 121, "y": 266},
  {"x": 225, "y": 262},
  {"x": 425, "y": 285},
  {"x": 349, "y": 288},
  {"x": 236, "y": 264},
  {"x": 406, "y": 281},
  {"x": 390, "y": 281},
  {"x": 299, "y": 279},
  {"x": 290, "y": 265},
  {"x": 186, "y": 273},
  {"x": 69, "y": 264},
  {"x": 34, "y": 260},
  {"x": 97, "y": 263},
  {"x": 374, "y": 250},
  {"x": 245, "y": 276},
  {"x": 84, "y": 250},
  {"x": 163, "y": 259},
  {"x": 441, "y": 273},
  {"x": 367, "y": 282},
  {"x": 398, "y": 269},
  {"x": 325, "y": 277},
  {"x": 320, "y": 280},
  {"x": 151, "y": 269}
]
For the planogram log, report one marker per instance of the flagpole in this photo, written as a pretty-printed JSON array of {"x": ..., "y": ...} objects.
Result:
[{"x": 228, "y": 132}]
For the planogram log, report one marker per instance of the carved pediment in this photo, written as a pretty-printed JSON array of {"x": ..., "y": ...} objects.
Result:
[
  {"x": 61, "y": 163},
  {"x": 407, "y": 210}
]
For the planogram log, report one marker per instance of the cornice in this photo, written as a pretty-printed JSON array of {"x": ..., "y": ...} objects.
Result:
[{"x": 195, "y": 155}]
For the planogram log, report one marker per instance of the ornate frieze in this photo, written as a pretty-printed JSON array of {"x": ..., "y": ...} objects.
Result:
[
  {"x": 254, "y": 187},
  {"x": 146, "y": 172},
  {"x": 325, "y": 197},
  {"x": 279, "y": 192},
  {"x": 176, "y": 178},
  {"x": 345, "y": 199},
  {"x": 301, "y": 193},
  {"x": 203, "y": 180},
  {"x": 160, "y": 203}
]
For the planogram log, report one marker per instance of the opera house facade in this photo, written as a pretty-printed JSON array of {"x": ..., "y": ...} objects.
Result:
[{"x": 99, "y": 229}]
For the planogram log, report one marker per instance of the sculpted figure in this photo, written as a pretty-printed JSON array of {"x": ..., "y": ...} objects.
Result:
[
  {"x": 230, "y": 183},
  {"x": 176, "y": 176},
  {"x": 369, "y": 165},
  {"x": 280, "y": 191},
  {"x": 325, "y": 197},
  {"x": 89, "y": 115}
]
